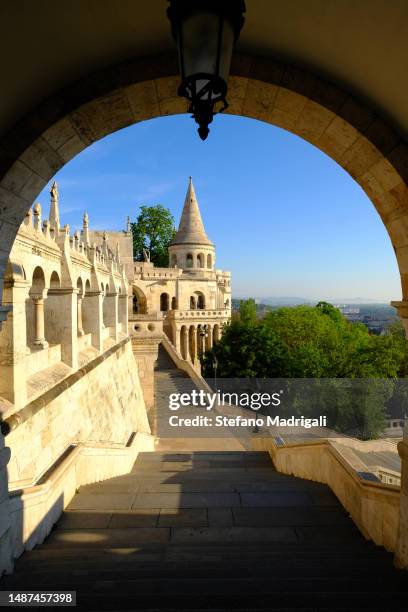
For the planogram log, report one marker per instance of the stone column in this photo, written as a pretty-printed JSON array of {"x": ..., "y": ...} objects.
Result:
[
  {"x": 184, "y": 342},
  {"x": 208, "y": 340},
  {"x": 146, "y": 351},
  {"x": 123, "y": 312},
  {"x": 192, "y": 341},
  {"x": 62, "y": 304},
  {"x": 39, "y": 328},
  {"x": 79, "y": 317},
  {"x": 13, "y": 344},
  {"x": 6, "y": 551},
  {"x": 92, "y": 315},
  {"x": 176, "y": 337},
  {"x": 200, "y": 341},
  {"x": 111, "y": 318}
]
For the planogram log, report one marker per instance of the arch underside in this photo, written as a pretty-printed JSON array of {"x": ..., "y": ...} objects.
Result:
[{"x": 287, "y": 97}]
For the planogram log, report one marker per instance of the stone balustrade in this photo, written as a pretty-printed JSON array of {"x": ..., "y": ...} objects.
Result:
[{"x": 199, "y": 314}]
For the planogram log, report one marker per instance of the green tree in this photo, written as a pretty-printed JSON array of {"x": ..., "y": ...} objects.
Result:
[
  {"x": 247, "y": 311},
  {"x": 354, "y": 372},
  {"x": 152, "y": 233},
  {"x": 246, "y": 351}
]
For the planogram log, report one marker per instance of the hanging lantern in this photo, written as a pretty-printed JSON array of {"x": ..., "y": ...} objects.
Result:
[{"x": 205, "y": 32}]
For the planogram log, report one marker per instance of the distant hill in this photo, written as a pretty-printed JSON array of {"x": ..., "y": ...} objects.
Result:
[
  {"x": 284, "y": 301},
  {"x": 296, "y": 301}
]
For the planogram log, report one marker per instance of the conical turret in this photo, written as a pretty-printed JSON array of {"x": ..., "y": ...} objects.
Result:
[
  {"x": 191, "y": 229},
  {"x": 191, "y": 248}
]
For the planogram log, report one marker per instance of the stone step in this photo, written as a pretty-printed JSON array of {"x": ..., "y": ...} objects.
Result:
[
  {"x": 202, "y": 530},
  {"x": 125, "y": 569},
  {"x": 224, "y": 585}
]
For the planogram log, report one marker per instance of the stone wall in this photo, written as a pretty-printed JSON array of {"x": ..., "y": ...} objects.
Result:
[
  {"x": 372, "y": 505},
  {"x": 100, "y": 403}
]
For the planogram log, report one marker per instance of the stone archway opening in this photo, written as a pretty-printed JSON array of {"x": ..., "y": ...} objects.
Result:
[
  {"x": 350, "y": 133},
  {"x": 317, "y": 111}
]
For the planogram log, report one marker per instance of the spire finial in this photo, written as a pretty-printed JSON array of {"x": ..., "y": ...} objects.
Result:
[
  {"x": 54, "y": 208},
  {"x": 85, "y": 229}
]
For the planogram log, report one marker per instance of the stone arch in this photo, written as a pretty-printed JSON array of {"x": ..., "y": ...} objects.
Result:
[
  {"x": 55, "y": 282},
  {"x": 139, "y": 302},
  {"x": 209, "y": 261},
  {"x": 52, "y": 310},
  {"x": 192, "y": 302},
  {"x": 350, "y": 132},
  {"x": 189, "y": 260},
  {"x": 80, "y": 286},
  {"x": 200, "y": 260},
  {"x": 200, "y": 300},
  {"x": 37, "y": 282},
  {"x": 35, "y": 310},
  {"x": 174, "y": 303},
  {"x": 164, "y": 302}
]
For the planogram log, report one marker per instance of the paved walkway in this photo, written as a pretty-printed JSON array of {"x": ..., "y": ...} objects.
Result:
[{"x": 211, "y": 531}]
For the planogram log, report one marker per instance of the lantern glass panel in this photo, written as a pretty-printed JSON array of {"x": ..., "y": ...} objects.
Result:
[{"x": 201, "y": 48}]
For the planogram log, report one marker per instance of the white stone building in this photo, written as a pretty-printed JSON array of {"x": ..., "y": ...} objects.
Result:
[
  {"x": 73, "y": 297},
  {"x": 192, "y": 297}
]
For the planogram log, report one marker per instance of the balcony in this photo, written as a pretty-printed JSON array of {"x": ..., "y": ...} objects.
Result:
[{"x": 216, "y": 313}]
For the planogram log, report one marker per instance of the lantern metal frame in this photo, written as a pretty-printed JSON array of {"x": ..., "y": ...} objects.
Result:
[{"x": 203, "y": 100}]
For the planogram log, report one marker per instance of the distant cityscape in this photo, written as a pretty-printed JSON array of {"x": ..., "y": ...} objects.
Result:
[{"x": 375, "y": 316}]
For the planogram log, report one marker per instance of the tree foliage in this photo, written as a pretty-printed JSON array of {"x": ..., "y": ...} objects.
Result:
[
  {"x": 318, "y": 343},
  {"x": 247, "y": 311},
  {"x": 152, "y": 233}
]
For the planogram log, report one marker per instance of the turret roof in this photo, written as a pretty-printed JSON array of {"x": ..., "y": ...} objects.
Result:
[{"x": 191, "y": 229}]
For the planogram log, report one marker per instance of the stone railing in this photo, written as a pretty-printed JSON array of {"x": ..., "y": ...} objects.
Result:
[
  {"x": 215, "y": 313},
  {"x": 373, "y": 506}
]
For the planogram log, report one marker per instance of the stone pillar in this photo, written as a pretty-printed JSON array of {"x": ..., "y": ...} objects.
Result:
[
  {"x": 208, "y": 340},
  {"x": 79, "y": 317},
  {"x": 176, "y": 338},
  {"x": 123, "y": 312},
  {"x": 92, "y": 316},
  {"x": 39, "y": 327},
  {"x": 62, "y": 305},
  {"x": 111, "y": 317},
  {"x": 401, "y": 553},
  {"x": 13, "y": 344},
  {"x": 200, "y": 340},
  {"x": 6, "y": 551},
  {"x": 192, "y": 342},
  {"x": 146, "y": 351}
]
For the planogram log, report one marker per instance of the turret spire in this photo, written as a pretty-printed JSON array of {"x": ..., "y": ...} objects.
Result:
[
  {"x": 191, "y": 229},
  {"x": 54, "y": 208},
  {"x": 85, "y": 229}
]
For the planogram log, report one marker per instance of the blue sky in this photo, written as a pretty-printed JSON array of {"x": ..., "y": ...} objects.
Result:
[{"x": 285, "y": 218}]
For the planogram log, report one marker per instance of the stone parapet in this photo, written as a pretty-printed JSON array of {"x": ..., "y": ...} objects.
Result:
[{"x": 195, "y": 315}]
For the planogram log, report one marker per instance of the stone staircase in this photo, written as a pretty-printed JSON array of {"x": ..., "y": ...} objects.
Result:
[
  {"x": 169, "y": 379},
  {"x": 213, "y": 531}
]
